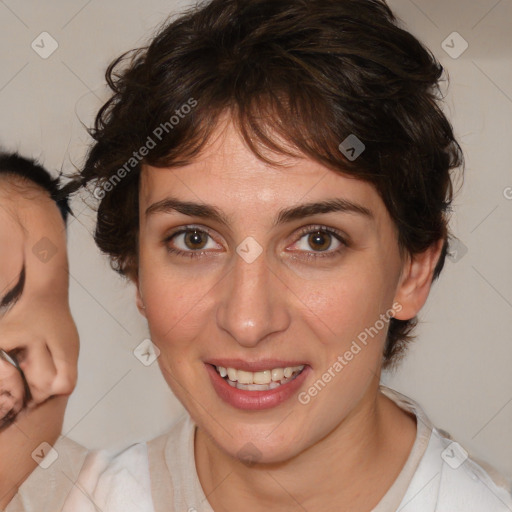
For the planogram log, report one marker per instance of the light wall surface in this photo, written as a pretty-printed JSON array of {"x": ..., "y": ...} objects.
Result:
[{"x": 459, "y": 369}]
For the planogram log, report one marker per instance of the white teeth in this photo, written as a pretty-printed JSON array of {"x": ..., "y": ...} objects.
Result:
[
  {"x": 277, "y": 374},
  {"x": 263, "y": 377},
  {"x": 259, "y": 381},
  {"x": 245, "y": 377}
]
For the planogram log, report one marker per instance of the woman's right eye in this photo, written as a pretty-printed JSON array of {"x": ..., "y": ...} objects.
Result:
[{"x": 190, "y": 242}]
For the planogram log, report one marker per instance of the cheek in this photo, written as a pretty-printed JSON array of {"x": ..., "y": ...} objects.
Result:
[
  {"x": 346, "y": 302},
  {"x": 179, "y": 299},
  {"x": 175, "y": 307}
]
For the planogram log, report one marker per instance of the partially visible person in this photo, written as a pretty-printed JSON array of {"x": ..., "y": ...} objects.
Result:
[
  {"x": 34, "y": 279},
  {"x": 38, "y": 340}
]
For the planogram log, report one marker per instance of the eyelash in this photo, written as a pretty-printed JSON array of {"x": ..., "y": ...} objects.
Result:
[
  {"x": 304, "y": 231},
  {"x": 324, "y": 229}
]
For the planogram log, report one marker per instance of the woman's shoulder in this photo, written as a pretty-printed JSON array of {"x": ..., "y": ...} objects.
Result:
[
  {"x": 447, "y": 476},
  {"x": 47, "y": 487},
  {"x": 112, "y": 481},
  {"x": 466, "y": 483}
]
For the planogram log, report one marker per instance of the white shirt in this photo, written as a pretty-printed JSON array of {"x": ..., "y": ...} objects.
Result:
[{"x": 160, "y": 476}]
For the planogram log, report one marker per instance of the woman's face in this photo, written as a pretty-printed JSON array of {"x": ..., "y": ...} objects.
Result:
[{"x": 269, "y": 282}]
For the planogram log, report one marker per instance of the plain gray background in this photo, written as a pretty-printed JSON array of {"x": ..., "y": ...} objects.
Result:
[{"x": 458, "y": 370}]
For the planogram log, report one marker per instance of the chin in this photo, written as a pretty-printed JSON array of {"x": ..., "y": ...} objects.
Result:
[{"x": 251, "y": 447}]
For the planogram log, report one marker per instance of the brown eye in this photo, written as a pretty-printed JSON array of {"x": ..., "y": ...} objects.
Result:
[
  {"x": 195, "y": 239},
  {"x": 192, "y": 242},
  {"x": 319, "y": 241}
]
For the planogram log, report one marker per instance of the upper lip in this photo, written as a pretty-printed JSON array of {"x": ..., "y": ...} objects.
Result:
[{"x": 254, "y": 366}]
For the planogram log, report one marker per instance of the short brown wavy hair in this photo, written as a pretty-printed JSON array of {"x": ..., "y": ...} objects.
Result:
[{"x": 297, "y": 77}]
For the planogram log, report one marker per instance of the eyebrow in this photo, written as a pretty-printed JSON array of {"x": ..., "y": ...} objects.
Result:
[
  {"x": 286, "y": 215},
  {"x": 13, "y": 295},
  {"x": 328, "y": 206}
]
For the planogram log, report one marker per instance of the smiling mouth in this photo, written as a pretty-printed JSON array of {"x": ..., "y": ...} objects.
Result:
[{"x": 259, "y": 381}]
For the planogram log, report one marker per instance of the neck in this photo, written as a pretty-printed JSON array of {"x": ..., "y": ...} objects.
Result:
[{"x": 349, "y": 469}]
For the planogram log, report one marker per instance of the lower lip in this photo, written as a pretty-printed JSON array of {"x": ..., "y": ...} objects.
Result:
[{"x": 255, "y": 400}]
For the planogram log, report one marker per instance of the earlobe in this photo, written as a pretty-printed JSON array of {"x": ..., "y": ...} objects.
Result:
[
  {"x": 139, "y": 301},
  {"x": 416, "y": 280}
]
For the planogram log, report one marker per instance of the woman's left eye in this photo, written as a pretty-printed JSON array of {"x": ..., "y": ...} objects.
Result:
[{"x": 318, "y": 241}]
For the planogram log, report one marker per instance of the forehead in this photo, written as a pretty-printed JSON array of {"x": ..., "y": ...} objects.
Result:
[
  {"x": 28, "y": 216},
  {"x": 12, "y": 237},
  {"x": 228, "y": 173},
  {"x": 26, "y": 203}
]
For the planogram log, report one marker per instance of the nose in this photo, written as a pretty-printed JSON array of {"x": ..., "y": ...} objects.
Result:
[
  {"x": 6, "y": 403},
  {"x": 253, "y": 302}
]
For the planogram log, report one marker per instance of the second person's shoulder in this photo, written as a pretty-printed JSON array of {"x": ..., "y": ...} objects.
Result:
[{"x": 113, "y": 482}]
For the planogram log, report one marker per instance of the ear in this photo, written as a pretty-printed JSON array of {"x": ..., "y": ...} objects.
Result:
[
  {"x": 138, "y": 298},
  {"x": 416, "y": 280}
]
